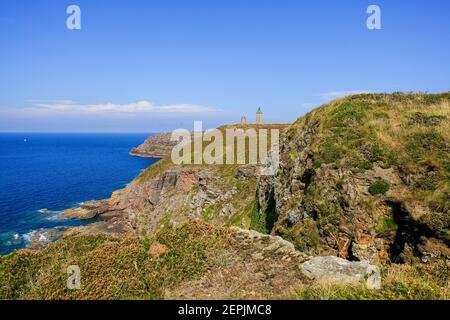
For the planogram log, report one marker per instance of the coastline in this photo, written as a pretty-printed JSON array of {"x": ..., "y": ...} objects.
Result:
[
  {"x": 155, "y": 146},
  {"x": 84, "y": 216},
  {"x": 107, "y": 215}
]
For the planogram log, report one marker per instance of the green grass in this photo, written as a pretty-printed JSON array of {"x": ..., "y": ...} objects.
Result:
[
  {"x": 365, "y": 165},
  {"x": 257, "y": 217},
  {"x": 425, "y": 142},
  {"x": 263, "y": 218},
  {"x": 331, "y": 152},
  {"x": 445, "y": 233},
  {"x": 426, "y": 183},
  {"x": 386, "y": 226},
  {"x": 305, "y": 236},
  {"x": 379, "y": 187},
  {"x": 346, "y": 115},
  {"x": 206, "y": 212},
  {"x": 447, "y": 167}
]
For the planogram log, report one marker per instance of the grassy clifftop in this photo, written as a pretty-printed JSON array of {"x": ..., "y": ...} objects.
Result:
[{"x": 410, "y": 131}]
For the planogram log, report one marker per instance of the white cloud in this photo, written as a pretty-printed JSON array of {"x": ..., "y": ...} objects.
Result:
[
  {"x": 340, "y": 94},
  {"x": 140, "y": 107}
]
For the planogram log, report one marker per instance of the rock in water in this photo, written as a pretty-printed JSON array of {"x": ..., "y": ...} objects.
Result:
[{"x": 340, "y": 271}]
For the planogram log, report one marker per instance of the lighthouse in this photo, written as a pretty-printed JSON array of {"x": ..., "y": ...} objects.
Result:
[{"x": 259, "y": 117}]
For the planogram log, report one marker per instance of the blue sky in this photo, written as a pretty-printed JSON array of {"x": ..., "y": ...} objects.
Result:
[{"x": 148, "y": 66}]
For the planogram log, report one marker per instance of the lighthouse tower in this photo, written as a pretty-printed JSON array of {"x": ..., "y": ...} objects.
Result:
[{"x": 259, "y": 117}]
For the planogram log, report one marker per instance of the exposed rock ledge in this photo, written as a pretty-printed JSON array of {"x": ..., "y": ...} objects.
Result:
[
  {"x": 262, "y": 266},
  {"x": 329, "y": 269},
  {"x": 90, "y": 210}
]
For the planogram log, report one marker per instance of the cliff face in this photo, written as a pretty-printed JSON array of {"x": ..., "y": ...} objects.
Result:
[
  {"x": 367, "y": 178},
  {"x": 165, "y": 195}
]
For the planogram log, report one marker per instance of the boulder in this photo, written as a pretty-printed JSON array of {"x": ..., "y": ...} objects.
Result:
[
  {"x": 257, "y": 245},
  {"x": 340, "y": 271}
]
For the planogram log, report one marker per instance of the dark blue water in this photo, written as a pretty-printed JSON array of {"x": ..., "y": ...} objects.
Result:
[{"x": 56, "y": 172}]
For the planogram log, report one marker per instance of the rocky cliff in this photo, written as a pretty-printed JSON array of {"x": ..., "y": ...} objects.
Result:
[
  {"x": 363, "y": 181},
  {"x": 367, "y": 178},
  {"x": 157, "y": 146}
]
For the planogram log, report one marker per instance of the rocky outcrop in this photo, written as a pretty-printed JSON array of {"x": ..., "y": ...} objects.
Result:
[
  {"x": 179, "y": 180},
  {"x": 93, "y": 209},
  {"x": 261, "y": 266},
  {"x": 334, "y": 270},
  {"x": 157, "y": 146},
  {"x": 360, "y": 201},
  {"x": 172, "y": 197},
  {"x": 262, "y": 246},
  {"x": 257, "y": 266}
]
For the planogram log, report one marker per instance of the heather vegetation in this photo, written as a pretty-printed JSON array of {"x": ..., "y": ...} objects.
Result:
[{"x": 113, "y": 268}]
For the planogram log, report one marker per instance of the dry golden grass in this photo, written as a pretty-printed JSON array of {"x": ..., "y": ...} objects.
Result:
[
  {"x": 399, "y": 282},
  {"x": 114, "y": 268}
]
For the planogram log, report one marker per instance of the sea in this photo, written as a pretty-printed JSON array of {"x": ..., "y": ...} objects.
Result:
[{"x": 43, "y": 174}]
